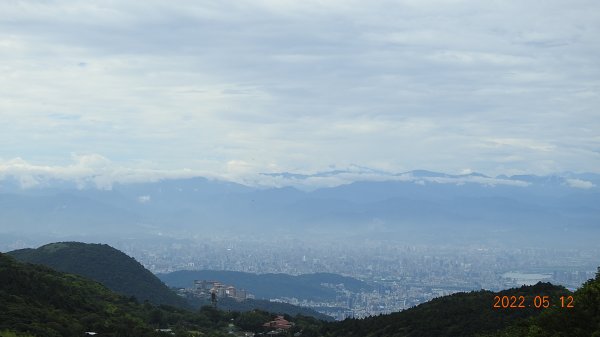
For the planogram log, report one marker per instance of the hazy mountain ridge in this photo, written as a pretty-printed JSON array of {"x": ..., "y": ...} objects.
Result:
[{"x": 398, "y": 207}]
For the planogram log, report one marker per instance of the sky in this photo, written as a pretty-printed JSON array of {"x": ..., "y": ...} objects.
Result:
[{"x": 232, "y": 88}]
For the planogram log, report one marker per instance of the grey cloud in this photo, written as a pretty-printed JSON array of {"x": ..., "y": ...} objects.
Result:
[
  {"x": 90, "y": 170},
  {"x": 302, "y": 85}
]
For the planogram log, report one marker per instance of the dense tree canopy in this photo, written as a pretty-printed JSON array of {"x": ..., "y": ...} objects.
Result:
[
  {"x": 105, "y": 264},
  {"x": 38, "y": 301}
]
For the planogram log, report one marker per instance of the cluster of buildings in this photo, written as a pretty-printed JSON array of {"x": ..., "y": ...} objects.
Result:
[
  {"x": 206, "y": 289},
  {"x": 402, "y": 275}
]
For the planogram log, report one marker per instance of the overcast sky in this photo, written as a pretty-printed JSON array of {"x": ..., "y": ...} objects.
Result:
[{"x": 232, "y": 87}]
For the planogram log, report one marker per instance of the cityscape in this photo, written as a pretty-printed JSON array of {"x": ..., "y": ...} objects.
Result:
[
  {"x": 402, "y": 276},
  {"x": 299, "y": 168},
  {"x": 206, "y": 289}
]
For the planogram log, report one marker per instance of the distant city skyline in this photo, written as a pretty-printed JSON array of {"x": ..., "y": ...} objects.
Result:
[{"x": 230, "y": 89}]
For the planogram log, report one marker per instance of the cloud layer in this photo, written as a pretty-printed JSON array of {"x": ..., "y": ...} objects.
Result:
[
  {"x": 239, "y": 87},
  {"x": 96, "y": 171},
  {"x": 85, "y": 171}
]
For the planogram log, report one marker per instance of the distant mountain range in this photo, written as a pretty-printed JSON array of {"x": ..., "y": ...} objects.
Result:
[
  {"x": 270, "y": 286},
  {"x": 413, "y": 206}
]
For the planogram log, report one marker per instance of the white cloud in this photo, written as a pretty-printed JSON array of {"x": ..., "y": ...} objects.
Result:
[
  {"x": 143, "y": 199},
  {"x": 453, "y": 56},
  {"x": 497, "y": 87},
  {"x": 91, "y": 170},
  {"x": 529, "y": 144},
  {"x": 96, "y": 171},
  {"x": 579, "y": 183}
]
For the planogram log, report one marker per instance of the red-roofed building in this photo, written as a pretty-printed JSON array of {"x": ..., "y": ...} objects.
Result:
[{"x": 279, "y": 323}]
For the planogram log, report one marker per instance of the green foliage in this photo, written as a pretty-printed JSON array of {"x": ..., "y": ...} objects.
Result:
[
  {"x": 582, "y": 320},
  {"x": 253, "y": 320},
  {"x": 36, "y": 301},
  {"x": 7, "y": 333},
  {"x": 230, "y": 304},
  {"x": 462, "y": 314},
  {"x": 42, "y": 302},
  {"x": 104, "y": 264}
]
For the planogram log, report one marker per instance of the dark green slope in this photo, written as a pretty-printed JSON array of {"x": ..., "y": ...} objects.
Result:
[
  {"x": 230, "y": 304},
  {"x": 583, "y": 320},
  {"x": 43, "y": 302},
  {"x": 123, "y": 274},
  {"x": 38, "y": 301},
  {"x": 462, "y": 314},
  {"x": 104, "y": 264}
]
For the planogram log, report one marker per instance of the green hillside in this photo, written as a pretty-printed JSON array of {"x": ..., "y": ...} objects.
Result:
[
  {"x": 38, "y": 301},
  {"x": 583, "y": 320},
  {"x": 458, "y": 315},
  {"x": 42, "y": 302},
  {"x": 104, "y": 264}
]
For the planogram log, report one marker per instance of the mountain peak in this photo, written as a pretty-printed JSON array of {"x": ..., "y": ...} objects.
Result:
[{"x": 104, "y": 264}]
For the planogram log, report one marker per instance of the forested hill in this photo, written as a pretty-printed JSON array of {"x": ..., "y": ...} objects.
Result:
[
  {"x": 123, "y": 274},
  {"x": 268, "y": 286},
  {"x": 39, "y": 301},
  {"x": 106, "y": 265},
  {"x": 36, "y": 301},
  {"x": 458, "y": 315},
  {"x": 583, "y": 320}
]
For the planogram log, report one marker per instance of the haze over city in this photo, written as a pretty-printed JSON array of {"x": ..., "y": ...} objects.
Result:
[{"x": 337, "y": 159}]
